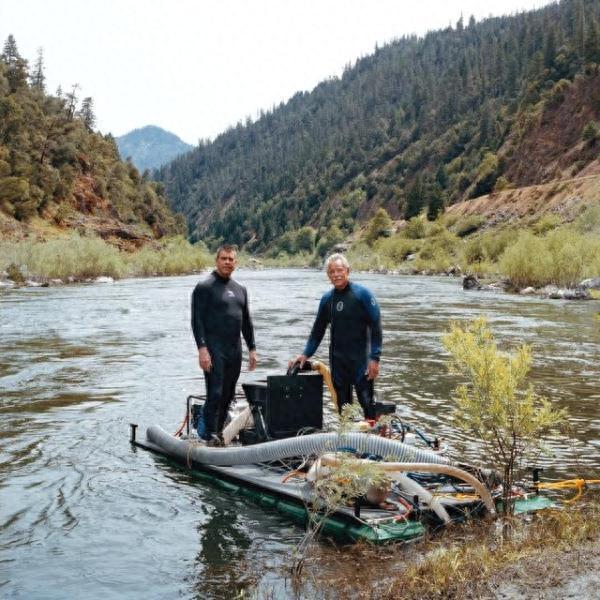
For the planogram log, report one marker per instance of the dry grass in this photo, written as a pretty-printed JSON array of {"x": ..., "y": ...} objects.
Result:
[{"x": 467, "y": 561}]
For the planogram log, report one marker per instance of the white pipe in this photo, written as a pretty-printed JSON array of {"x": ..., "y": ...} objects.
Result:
[
  {"x": 484, "y": 493},
  {"x": 244, "y": 419},
  {"x": 410, "y": 486}
]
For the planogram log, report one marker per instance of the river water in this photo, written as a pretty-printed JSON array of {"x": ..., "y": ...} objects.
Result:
[{"x": 84, "y": 515}]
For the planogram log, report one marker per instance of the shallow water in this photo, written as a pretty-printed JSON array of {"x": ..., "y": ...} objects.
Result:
[{"x": 83, "y": 514}]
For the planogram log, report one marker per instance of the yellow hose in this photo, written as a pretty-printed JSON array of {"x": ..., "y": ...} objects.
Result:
[{"x": 324, "y": 371}]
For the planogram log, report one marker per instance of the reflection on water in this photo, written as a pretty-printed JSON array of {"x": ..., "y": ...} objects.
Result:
[{"x": 82, "y": 514}]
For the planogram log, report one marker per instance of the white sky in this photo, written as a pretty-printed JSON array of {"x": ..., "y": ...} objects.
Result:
[{"x": 194, "y": 67}]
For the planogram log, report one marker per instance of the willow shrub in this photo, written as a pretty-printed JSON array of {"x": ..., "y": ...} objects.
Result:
[
  {"x": 61, "y": 258},
  {"x": 175, "y": 256},
  {"x": 82, "y": 257},
  {"x": 495, "y": 404},
  {"x": 563, "y": 258}
]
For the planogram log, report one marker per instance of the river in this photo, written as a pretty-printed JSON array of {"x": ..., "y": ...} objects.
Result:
[{"x": 85, "y": 515}]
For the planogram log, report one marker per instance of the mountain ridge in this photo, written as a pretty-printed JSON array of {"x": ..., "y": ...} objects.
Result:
[
  {"x": 150, "y": 146},
  {"x": 420, "y": 124}
]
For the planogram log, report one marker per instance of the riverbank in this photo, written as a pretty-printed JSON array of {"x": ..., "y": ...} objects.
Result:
[
  {"x": 74, "y": 258},
  {"x": 549, "y": 555}
]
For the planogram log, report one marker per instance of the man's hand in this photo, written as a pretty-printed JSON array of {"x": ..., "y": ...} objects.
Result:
[
  {"x": 299, "y": 359},
  {"x": 372, "y": 369},
  {"x": 252, "y": 360},
  {"x": 204, "y": 359}
]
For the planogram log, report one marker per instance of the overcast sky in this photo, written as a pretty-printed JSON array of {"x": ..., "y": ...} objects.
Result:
[{"x": 194, "y": 67}]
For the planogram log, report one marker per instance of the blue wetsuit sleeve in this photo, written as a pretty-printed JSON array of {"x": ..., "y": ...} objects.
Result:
[
  {"x": 199, "y": 305},
  {"x": 247, "y": 326},
  {"x": 319, "y": 327},
  {"x": 374, "y": 319}
]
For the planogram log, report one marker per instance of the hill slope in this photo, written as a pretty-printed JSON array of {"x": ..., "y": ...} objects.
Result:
[
  {"x": 56, "y": 172},
  {"x": 150, "y": 147},
  {"x": 420, "y": 123}
]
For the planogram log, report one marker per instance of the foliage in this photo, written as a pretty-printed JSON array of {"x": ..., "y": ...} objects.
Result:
[
  {"x": 546, "y": 223},
  {"x": 563, "y": 258},
  {"x": 415, "y": 229},
  {"x": 379, "y": 226},
  {"x": 495, "y": 406},
  {"x": 81, "y": 258},
  {"x": 50, "y": 158},
  {"x": 591, "y": 132},
  {"x": 468, "y": 225}
]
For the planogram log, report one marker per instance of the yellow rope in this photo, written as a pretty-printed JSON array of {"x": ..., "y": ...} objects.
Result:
[{"x": 567, "y": 484}]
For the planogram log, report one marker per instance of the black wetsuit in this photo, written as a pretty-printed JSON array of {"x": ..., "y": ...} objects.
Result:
[
  {"x": 219, "y": 313},
  {"x": 355, "y": 325}
]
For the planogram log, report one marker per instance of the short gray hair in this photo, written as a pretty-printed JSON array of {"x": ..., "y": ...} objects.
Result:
[{"x": 335, "y": 258}]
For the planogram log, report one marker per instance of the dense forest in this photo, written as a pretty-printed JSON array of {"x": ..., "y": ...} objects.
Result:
[
  {"x": 54, "y": 166},
  {"x": 419, "y": 124}
]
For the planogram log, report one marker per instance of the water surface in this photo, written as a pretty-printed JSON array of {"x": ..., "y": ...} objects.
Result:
[{"x": 84, "y": 515}]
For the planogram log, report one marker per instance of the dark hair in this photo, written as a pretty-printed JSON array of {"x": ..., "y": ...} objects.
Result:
[{"x": 226, "y": 248}]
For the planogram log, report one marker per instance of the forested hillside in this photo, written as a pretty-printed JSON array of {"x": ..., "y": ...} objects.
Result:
[
  {"x": 150, "y": 147},
  {"x": 421, "y": 123},
  {"x": 56, "y": 170}
]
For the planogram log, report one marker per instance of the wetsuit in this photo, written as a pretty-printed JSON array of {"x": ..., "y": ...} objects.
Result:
[
  {"x": 355, "y": 325},
  {"x": 219, "y": 313}
]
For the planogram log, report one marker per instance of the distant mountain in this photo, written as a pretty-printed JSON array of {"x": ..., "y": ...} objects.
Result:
[{"x": 150, "y": 147}]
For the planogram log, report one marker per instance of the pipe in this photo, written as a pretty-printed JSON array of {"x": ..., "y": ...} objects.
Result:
[
  {"x": 244, "y": 419},
  {"x": 304, "y": 445},
  {"x": 447, "y": 469}
]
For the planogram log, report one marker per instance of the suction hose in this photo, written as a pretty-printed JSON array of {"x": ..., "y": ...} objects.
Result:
[{"x": 314, "y": 444}]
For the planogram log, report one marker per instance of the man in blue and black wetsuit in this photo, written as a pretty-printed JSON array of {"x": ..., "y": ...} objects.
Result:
[
  {"x": 355, "y": 347},
  {"x": 219, "y": 313}
]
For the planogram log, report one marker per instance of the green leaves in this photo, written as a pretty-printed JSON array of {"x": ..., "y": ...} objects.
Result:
[{"x": 495, "y": 404}]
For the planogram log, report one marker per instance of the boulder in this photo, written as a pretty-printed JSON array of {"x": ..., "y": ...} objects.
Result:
[
  {"x": 570, "y": 294},
  {"x": 528, "y": 291},
  {"x": 104, "y": 279},
  {"x": 590, "y": 284},
  {"x": 470, "y": 282}
]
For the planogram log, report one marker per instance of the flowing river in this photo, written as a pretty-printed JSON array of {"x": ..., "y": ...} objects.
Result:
[{"x": 85, "y": 515}]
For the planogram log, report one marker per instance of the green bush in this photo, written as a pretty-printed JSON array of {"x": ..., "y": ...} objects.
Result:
[
  {"x": 416, "y": 228},
  {"x": 494, "y": 244},
  {"x": 379, "y": 226},
  {"x": 561, "y": 258},
  {"x": 468, "y": 225},
  {"x": 396, "y": 249},
  {"x": 546, "y": 223}
]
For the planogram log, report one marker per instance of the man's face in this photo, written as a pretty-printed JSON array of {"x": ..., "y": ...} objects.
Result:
[
  {"x": 338, "y": 274},
  {"x": 226, "y": 263}
]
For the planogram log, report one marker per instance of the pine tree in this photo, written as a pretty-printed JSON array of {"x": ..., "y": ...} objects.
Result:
[
  {"x": 86, "y": 113},
  {"x": 38, "y": 78},
  {"x": 16, "y": 65}
]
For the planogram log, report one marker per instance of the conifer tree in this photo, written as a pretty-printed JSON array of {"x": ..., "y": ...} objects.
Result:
[
  {"x": 38, "y": 78},
  {"x": 86, "y": 113},
  {"x": 16, "y": 72}
]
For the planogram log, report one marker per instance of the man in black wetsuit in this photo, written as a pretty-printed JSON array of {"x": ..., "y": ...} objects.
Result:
[
  {"x": 355, "y": 347},
  {"x": 219, "y": 313}
]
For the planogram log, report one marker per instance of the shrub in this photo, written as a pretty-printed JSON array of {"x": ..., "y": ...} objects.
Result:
[
  {"x": 546, "y": 223},
  {"x": 494, "y": 244},
  {"x": 379, "y": 226},
  {"x": 468, "y": 225},
  {"x": 415, "y": 229},
  {"x": 591, "y": 132},
  {"x": 396, "y": 249},
  {"x": 495, "y": 405}
]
